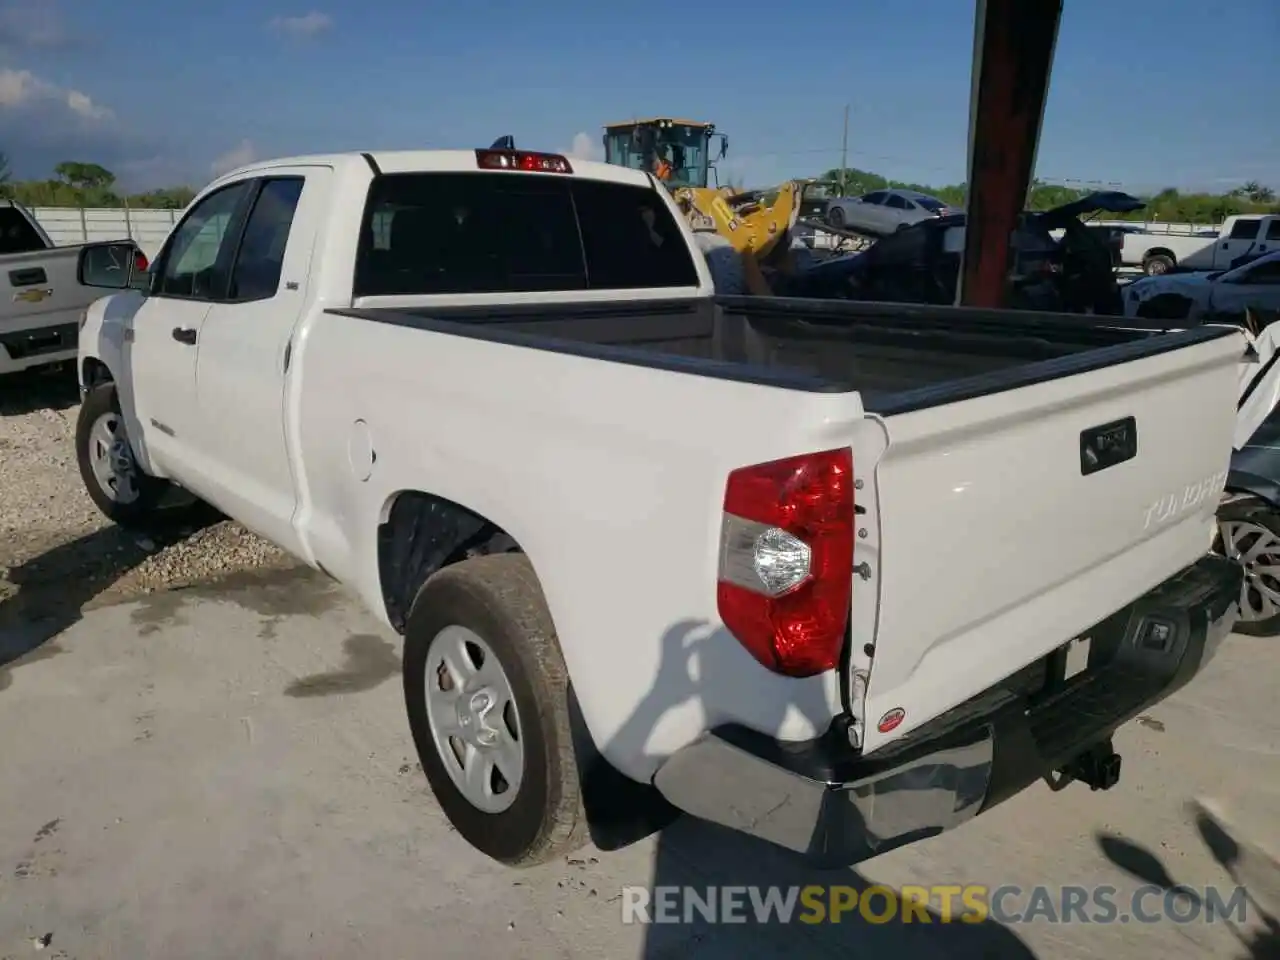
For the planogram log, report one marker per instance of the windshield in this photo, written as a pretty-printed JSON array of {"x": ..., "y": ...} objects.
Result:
[
  {"x": 678, "y": 151},
  {"x": 930, "y": 204},
  {"x": 1246, "y": 272}
]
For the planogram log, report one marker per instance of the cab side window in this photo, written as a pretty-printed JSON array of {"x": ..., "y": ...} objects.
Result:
[
  {"x": 256, "y": 275},
  {"x": 1245, "y": 230},
  {"x": 196, "y": 263}
]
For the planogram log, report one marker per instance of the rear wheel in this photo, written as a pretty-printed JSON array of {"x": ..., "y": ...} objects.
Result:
[
  {"x": 486, "y": 692},
  {"x": 835, "y": 216},
  {"x": 1157, "y": 264},
  {"x": 1249, "y": 533}
]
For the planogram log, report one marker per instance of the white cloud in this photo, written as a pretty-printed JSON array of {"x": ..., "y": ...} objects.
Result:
[
  {"x": 43, "y": 123},
  {"x": 308, "y": 25},
  {"x": 240, "y": 155},
  {"x": 585, "y": 147},
  {"x": 21, "y": 90}
]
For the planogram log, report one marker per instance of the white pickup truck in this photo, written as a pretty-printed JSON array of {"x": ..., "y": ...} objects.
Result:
[
  {"x": 1241, "y": 238},
  {"x": 47, "y": 289},
  {"x": 838, "y": 575}
]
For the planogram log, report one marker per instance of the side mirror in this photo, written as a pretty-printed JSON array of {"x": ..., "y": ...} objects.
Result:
[{"x": 118, "y": 265}]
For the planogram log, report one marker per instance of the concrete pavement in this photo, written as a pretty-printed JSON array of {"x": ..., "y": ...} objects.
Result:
[{"x": 228, "y": 774}]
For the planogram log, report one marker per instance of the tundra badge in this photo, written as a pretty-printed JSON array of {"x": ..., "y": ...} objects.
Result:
[{"x": 1178, "y": 502}]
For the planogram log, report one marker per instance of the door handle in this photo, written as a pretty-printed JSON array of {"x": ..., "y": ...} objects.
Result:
[{"x": 184, "y": 335}]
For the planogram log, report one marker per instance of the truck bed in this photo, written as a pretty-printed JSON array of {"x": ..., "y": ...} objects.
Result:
[{"x": 900, "y": 357}]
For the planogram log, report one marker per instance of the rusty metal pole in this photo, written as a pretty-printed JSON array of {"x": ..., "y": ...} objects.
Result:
[{"x": 1013, "y": 49}]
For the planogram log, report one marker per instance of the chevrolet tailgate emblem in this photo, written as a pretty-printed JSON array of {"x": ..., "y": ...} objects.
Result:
[{"x": 32, "y": 296}]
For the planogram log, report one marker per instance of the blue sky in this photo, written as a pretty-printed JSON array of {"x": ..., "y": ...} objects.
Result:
[{"x": 165, "y": 92}]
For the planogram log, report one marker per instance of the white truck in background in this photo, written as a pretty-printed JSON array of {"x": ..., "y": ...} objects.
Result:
[
  {"x": 45, "y": 290},
  {"x": 1240, "y": 238},
  {"x": 838, "y": 575}
]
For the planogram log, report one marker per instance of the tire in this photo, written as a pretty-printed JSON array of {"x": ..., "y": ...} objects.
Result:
[
  {"x": 835, "y": 217},
  {"x": 1244, "y": 525},
  {"x": 99, "y": 419},
  {"x": 1156, "y": 264},
  {"x": 497, "y": 601}
]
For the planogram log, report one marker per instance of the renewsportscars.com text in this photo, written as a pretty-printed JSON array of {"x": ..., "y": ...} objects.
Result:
[{"x": 946, "y": 903}]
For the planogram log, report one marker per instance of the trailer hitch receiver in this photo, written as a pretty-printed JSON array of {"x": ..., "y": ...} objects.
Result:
[{"x": 1098, "y": 768}]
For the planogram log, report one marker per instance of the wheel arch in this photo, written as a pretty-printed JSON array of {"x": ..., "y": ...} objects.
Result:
[
  {"x": 420, "y": 533},
  {"x": 1243, "y": 484},
  {"x": 94, "y": 371}
]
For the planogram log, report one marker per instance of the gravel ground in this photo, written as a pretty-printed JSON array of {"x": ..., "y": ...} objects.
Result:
[{"x": 57, "y": 549}]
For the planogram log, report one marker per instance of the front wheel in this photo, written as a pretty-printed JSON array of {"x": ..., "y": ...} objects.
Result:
[
  {"x": 110, "y": 472},
  {"x": 486, "y": 692},
  {"x": 1249, "y": 533}
]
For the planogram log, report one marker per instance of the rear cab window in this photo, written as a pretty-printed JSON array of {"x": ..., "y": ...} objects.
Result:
[
  {"x": 496, "y": 232},
  {"x": 17, "y": 235}
]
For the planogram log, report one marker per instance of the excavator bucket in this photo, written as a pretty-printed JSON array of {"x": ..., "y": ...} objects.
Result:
[{"x": 1014, "y": 43}]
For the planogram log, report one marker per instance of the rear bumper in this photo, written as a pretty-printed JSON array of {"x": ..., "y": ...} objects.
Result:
[
  {"x": 24, "y": 349},
  {"x": 820, "y": 799}
]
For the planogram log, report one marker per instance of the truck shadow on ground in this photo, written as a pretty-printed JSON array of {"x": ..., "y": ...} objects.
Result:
[
  {"x": 48, "y": 593},
  {"x": 700, "y": 663},
  {"x": 1247, "y": 865},
  {"x": 32, "y": 390}
]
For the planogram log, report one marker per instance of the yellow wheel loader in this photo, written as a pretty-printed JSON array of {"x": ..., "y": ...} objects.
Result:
[
  {"x": 683, "y": 155},
  {"x": 680, "y": 154}
]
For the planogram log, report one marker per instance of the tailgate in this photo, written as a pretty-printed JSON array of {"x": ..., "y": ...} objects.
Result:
[
  {"x": 42, "y": 290},
  {"x": 1009, "y": 523}
]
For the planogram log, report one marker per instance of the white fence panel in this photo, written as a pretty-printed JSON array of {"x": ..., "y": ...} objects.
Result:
[{"x": 69, "y": 225}]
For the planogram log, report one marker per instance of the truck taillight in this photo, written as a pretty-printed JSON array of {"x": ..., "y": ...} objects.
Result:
[
  {"x": 140, "y": 262},
  {"x": 786, "y": 560}
]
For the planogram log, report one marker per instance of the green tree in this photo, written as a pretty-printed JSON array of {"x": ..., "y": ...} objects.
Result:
[
  {"x": 167, "y": 198},
  {"x": 84, "y": 176},
  {"x": 1255, "y": 192}
]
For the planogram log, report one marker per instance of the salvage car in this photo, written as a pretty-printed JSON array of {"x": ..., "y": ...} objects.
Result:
[
  {"x": 921, "y": 264},
  {"x": 494, "y": 393},
  {"x": 1222, "y": 295},
  {"x": 884, "y": 211}
]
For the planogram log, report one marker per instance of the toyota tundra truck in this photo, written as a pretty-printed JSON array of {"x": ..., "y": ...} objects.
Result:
[{"x": 838, "y": 575}]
